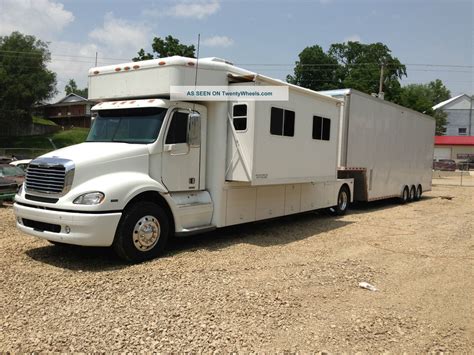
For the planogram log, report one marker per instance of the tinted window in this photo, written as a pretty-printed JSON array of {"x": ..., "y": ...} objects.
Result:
[
  {"x": 239, "y": 113},
  {"x": 289, "y": 124},
  {"x": 326, "y": 129},
  {"x": 240, "y": 110},
  {"x": 321, "y": 128},
  {"x": 317, "y": 127},
  {"x": 136, "y": 125},
  {"x": 276, "y": 121},
  {"x": 177, "y": 133}
]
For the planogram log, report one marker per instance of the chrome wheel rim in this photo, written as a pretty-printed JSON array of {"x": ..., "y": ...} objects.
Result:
[
  {"x": 146, "y": 233},
  {"x": 412, "y": 193},
  {"x": 342, "y": 200},
  {"x": 405, "y": 194}
]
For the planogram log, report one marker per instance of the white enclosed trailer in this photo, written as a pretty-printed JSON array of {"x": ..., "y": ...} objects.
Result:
[{"x": 386, "y": 148}]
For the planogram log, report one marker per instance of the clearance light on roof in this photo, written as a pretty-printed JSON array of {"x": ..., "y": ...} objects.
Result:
[
  {"x": 96, "y": 72},
  {"x": 126, "y": 68},
  {"x": 191, "y": 64},
  {"x": 118, "y": 69},
  {"x": 136, "y": 67},
  {"x": 161, "y": 63}
]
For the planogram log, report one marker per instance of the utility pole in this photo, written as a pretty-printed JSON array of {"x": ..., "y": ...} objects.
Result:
[
  {"x": 381, "y": 95},
  {"x": 470, "y": 115},
  {"x": 95, "y": 59}
]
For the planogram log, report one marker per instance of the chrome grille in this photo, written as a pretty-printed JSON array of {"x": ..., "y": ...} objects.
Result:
[{"x": 49, "y": 176}]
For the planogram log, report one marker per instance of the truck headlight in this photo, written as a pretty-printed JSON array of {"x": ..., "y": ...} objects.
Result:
[{"x": 90, "y": 198}]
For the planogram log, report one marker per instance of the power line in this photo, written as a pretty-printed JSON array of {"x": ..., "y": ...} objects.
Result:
[{"x": 252, "y": 64}]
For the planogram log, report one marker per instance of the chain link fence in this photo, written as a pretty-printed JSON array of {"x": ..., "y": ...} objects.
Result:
[{"x": 463, "y": 177}]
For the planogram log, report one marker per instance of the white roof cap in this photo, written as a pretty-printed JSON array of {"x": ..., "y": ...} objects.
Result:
[{"x": 444, "y": 103}]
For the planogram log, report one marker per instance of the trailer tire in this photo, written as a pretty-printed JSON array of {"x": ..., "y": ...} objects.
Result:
[
  {"x": 343, "y": 199},
  {"x": 142, "y": 233},
  {"x": 405, "y": 195},
  {"x": 412, "y": 196},
  {"x": 419, "y": 192}
]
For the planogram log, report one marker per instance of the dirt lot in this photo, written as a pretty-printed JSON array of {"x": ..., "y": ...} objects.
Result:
[{"x": 288, "y": 284}]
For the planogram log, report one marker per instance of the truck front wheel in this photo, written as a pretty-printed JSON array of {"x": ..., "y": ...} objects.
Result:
[{"x": 142, "y": 233}]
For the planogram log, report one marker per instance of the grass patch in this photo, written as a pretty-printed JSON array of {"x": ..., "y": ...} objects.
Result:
[
  {"x": 43, "y": 121},
  {"x": 61, "y": 139}
]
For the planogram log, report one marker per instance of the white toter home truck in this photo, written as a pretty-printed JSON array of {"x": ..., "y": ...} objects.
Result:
[{"x": 152, "y": 168}]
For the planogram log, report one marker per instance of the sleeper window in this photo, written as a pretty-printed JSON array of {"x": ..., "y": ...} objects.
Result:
[
  {"x": 239, "y": 117},
  {"x": 178, "y": 131},
  {"x": 282, "y": 122},
  {"x": 321, "y": 128}
]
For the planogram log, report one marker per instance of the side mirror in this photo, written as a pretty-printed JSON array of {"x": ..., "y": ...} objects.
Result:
[{"x": 194, "y": 129}]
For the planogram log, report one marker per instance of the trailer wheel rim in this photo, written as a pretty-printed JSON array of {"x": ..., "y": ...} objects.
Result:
[
  {"x": 343, "y": 200},
  {"x": 405, "y": 194},
  {"x": 412, "y": 193},
  {"x": 418, "y": 192},
  {"x": 146, "y": 233}
]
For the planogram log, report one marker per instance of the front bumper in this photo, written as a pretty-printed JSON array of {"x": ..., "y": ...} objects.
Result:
[{"x": 86, "y": 229}]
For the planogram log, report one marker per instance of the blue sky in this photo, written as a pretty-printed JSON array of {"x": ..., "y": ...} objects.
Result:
[{"x": 253, "y": 34}]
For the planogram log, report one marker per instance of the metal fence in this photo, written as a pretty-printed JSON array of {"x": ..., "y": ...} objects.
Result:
[{"x": 454, "y": 178}]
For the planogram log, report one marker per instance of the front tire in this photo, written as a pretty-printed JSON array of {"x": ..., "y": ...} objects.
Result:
[{"x": 142, "y": 233}]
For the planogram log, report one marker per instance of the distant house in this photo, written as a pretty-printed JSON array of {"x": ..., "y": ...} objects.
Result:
[
  {"x": 72, "y": 110},
  {"x": 454, "y": 147},
  {"x": 460, "y": 120}
]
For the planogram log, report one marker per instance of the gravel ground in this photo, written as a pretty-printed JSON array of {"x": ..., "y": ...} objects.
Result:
[{"x": 289, "y": 284}]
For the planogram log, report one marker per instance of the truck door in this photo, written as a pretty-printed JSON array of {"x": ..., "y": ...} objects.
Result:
[{"x": 181, "y": 151}]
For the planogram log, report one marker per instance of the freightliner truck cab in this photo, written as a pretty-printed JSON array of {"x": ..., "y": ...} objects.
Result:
[{"x": 139, "y": 173}]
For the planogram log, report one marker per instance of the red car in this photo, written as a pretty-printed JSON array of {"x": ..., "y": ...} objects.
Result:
[
  {"x": 444, "y": 164},
  {"x": 12, "y": 173}
]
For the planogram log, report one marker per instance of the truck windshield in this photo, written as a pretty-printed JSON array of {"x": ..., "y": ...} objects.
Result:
[{"x": 133, "y": 125}]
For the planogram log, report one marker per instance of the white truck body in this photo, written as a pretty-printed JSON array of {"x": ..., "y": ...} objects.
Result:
[
  {"x": 383, "y": 146},
  {"x": 214, "y": 175}
]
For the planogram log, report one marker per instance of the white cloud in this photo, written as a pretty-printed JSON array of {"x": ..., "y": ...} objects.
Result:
[
  {"x": 72, "y": 61},
  {"x": 115, "y": 41},
  {"x": 194, "y": 9},
  {"x": 41, "y": 18},
  {"x": 218, "y": 41},
  {"x": 120, "y": 36},
  {"x": 353, "y": 38}
]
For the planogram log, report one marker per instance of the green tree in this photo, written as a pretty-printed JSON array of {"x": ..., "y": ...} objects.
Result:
[
  {"x": 349, "y": 65},
  {"x": 71, "y": 88},
  {"x": 25, "y": 81},
  {"x": 422, "y": 97},
  {"x": 316, "y": 70},
  {"x": 167, "y": 47},
  {"x": 361, "y": 65}
]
